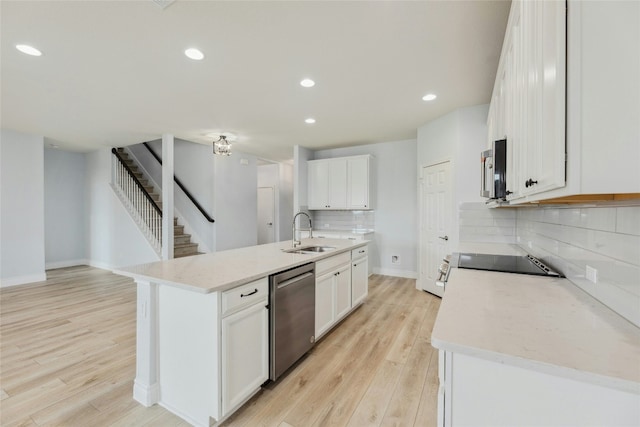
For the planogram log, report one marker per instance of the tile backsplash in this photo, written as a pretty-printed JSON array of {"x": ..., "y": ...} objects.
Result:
[
  {"x": 605, "y": 238},
  {"x": 343, "y": 220},
  {"x": 478, "y": 223}
]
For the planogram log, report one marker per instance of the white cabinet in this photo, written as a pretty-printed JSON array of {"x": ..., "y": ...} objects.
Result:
[
  {"x": 528, "y": 101},
  {"x": 245, "y": 354},
  {"x": 358, "y": 182},
  {"x": 324, "y": 304},
  {"x": 566, "y": 131},
  {"x": 333, "y": 291},
  {"x": 327, "y": 184},
  {"x": 359, "y": 276},
  {"x": 339, "y": 183},
  {"x": 244, "y": 343},
  {"x": 478, "y": 391}
]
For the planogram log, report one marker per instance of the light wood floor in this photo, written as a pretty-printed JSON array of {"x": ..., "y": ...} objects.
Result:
[{"x": 67, "y": 358}]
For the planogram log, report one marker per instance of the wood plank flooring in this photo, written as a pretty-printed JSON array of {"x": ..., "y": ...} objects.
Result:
[{"x": 67, "y": 358}]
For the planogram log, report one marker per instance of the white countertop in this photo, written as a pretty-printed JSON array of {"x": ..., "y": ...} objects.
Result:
[
  {"x": 540, "y": 323},
  {"x": 223, "y": 270}
]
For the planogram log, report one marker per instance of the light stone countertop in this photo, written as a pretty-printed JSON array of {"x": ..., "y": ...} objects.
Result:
[
  {"x": 539, "y": 323},
  {"x": 224, "y": 270}
]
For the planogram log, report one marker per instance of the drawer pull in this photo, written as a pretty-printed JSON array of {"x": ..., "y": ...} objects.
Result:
[
  {"x": 255, "y": 291},
  {"x": 362, "y": 251}
]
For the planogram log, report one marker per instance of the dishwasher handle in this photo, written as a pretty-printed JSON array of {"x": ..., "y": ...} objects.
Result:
[{"x": 293, "y": 280}]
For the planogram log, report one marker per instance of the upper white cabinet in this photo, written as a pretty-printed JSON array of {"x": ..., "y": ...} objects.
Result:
[
  {"x": 340, "y": 183},
  {"x": 567, "y": 99},
  {"x": 528, "y": 102}
]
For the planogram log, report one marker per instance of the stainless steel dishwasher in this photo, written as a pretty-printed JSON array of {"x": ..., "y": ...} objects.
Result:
[{"x": 292, "y": 309}]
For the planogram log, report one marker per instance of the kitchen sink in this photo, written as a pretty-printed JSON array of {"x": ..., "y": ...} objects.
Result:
[{"x": 310, "y": 249}]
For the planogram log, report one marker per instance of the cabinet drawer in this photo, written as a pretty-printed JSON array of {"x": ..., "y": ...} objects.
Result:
[
  {"x": 360, "y": 252},
  {"x": 331, "y": 263},
  {"x": 244, "y": 295}
]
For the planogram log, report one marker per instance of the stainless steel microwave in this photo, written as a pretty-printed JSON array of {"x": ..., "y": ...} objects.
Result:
[{"x": 494, "y": 171}]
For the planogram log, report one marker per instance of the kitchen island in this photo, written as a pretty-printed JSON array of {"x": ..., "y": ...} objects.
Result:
[
  {"x": 202, "y": 323},
  {"x": 528, "y": 350}
]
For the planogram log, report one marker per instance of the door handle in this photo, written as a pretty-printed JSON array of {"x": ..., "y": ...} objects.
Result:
[{"x": 443, "y": 238}]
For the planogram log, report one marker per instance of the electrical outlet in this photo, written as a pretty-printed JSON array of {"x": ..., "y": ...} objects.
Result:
[
  {"x": 395, "y": 259},
  {"x": 591, "y": 274}
]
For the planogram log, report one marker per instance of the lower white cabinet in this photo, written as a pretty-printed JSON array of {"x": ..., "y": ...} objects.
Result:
[
  {"x": 324, "y": 304},
  {"x": 359, "y": 276},
  {"x": 333, "y": 297},
  {"x": 477, "y": 391},
  {"x": 342, "y": 291},
  {"x": 245, "y": 354}
]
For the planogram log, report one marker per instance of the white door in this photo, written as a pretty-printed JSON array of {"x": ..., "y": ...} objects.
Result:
[
  {"x": 435, "y": 223},
  {"x": 266, "y": 213}
]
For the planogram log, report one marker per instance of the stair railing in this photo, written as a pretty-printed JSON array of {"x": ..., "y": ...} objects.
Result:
[
  {"x": 182, "y": 187},
  {"x": 141, "y": 205}
]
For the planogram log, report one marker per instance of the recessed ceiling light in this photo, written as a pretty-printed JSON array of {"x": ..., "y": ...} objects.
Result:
[
  {"x": 194, "y": 54},
  {"x": 310, "y": 120},
  {"x": 307, "y": 83},
  {"x": 429, "y": 97},
  {"x": 29, "y": 50}
]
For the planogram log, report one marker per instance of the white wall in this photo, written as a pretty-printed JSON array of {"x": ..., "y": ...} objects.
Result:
[
  {"x": 236, "y": 201},
  {"x": 22, "y": 247},
  {"x": 286, "y": 201},
  {"x": 269, "y": 176},
  {"x": 194, "y": 167},
  {"x": 395, "y": 206},
  {"x": 280, "y": 177},
  {"x": 458, "y": 137},
  {"x": 113, "y": 238},
  {"x": 300, "y": 157},
  {"x": 64, "y": 207}
]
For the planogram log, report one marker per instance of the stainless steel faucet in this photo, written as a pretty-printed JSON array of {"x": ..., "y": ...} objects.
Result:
[{"x": 298, "y": 242}]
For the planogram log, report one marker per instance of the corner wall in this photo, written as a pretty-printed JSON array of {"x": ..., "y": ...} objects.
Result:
[
  {"x": 113, "y": 238},
  {"x": 457, "y": 137},
  {"x": 22, "y": 243},
  {"x": 64, "y": 205},
  {"x": 395, "y": 206}
]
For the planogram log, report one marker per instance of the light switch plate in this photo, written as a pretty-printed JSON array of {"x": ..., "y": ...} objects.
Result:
[{"x": 591, "y": 274}]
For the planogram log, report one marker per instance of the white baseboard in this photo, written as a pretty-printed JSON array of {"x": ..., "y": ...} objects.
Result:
[
  {"x": 63, "y": 264},
  {"x": 22, "y": 280},
  {"x": 99, "y": 264},
  {"x": 407, "y": 274},
  {"x": 146, "y": 394}
]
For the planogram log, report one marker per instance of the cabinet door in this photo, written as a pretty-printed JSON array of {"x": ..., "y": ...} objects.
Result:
[
  {"x": 544, "y": 32},
  {"x": 318, "y": 184},
  {"x": 245, "y": 354},
  {"x": 337, "y": 184},
  {"x": 359, "y": 281},
  {"x": 342, "y": 296},
  {"x": 358, "y": 183},
  {"x": 325, "y": 313}
]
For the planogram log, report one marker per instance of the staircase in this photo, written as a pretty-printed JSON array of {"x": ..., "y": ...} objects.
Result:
[{"x": 182, "y": 245}]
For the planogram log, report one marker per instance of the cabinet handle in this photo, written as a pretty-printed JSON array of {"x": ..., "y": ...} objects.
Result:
[
  {"x": 443, "y": 238},
  {"x": 255, "y": 291},
  {"x": 361, "y": 252},
  {"x": 530, "y": 182}
]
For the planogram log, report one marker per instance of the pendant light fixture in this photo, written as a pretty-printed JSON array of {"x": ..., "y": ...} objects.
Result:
[{"x": 222, "y": 147}]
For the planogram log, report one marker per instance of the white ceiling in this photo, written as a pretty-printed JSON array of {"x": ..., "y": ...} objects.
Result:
[{"x": 113, "y": 73}]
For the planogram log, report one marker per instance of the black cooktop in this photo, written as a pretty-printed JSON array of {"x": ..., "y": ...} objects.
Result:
[{"x": 503, "y": 263}]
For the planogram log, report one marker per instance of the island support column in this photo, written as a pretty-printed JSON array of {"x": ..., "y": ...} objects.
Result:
[{"x": 146, "y": 389}]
